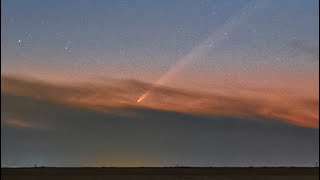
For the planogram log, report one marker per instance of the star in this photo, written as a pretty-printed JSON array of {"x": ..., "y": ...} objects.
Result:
[{"x": 67, "y": 45}]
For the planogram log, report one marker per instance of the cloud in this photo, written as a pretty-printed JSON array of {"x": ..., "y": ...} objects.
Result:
[
  {"x": 301, "y": 48},
  {"x": 146, "y": 137},
  {"x": 17, "y": 123},
  {"x": 119, "y": 96}
]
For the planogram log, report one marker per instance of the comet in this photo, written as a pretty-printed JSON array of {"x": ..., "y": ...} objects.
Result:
[
  {"x": 141, "y": 98},
  {"x": 217, "y": 37},
  {"x": 144, "y": 95}
]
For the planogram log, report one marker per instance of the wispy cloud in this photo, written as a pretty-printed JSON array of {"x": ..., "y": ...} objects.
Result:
[
  {"x": 18, "y": 123},
  {"x": 304, "y": 50}
]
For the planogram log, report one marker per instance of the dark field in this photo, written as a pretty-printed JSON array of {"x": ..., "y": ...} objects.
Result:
[{"x": 159, "y": 173}]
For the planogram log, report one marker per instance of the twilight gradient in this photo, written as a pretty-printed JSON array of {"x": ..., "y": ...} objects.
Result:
[{"x": 231, "y": 83}]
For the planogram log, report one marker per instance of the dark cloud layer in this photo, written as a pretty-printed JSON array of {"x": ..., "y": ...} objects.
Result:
[{"x": 62, "y": 134}]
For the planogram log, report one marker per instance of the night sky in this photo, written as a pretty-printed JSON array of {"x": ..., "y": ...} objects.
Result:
[{"x": 159, "y": 82}]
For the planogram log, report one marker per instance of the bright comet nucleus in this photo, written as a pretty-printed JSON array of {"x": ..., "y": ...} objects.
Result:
[{"x": 143, "y": 96}]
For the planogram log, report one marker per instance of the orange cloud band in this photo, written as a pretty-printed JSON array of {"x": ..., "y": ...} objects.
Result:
[{"x": 114, "y": 97}]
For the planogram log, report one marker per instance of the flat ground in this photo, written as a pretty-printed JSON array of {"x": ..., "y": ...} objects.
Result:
[{"x": 188, "y": 173}]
